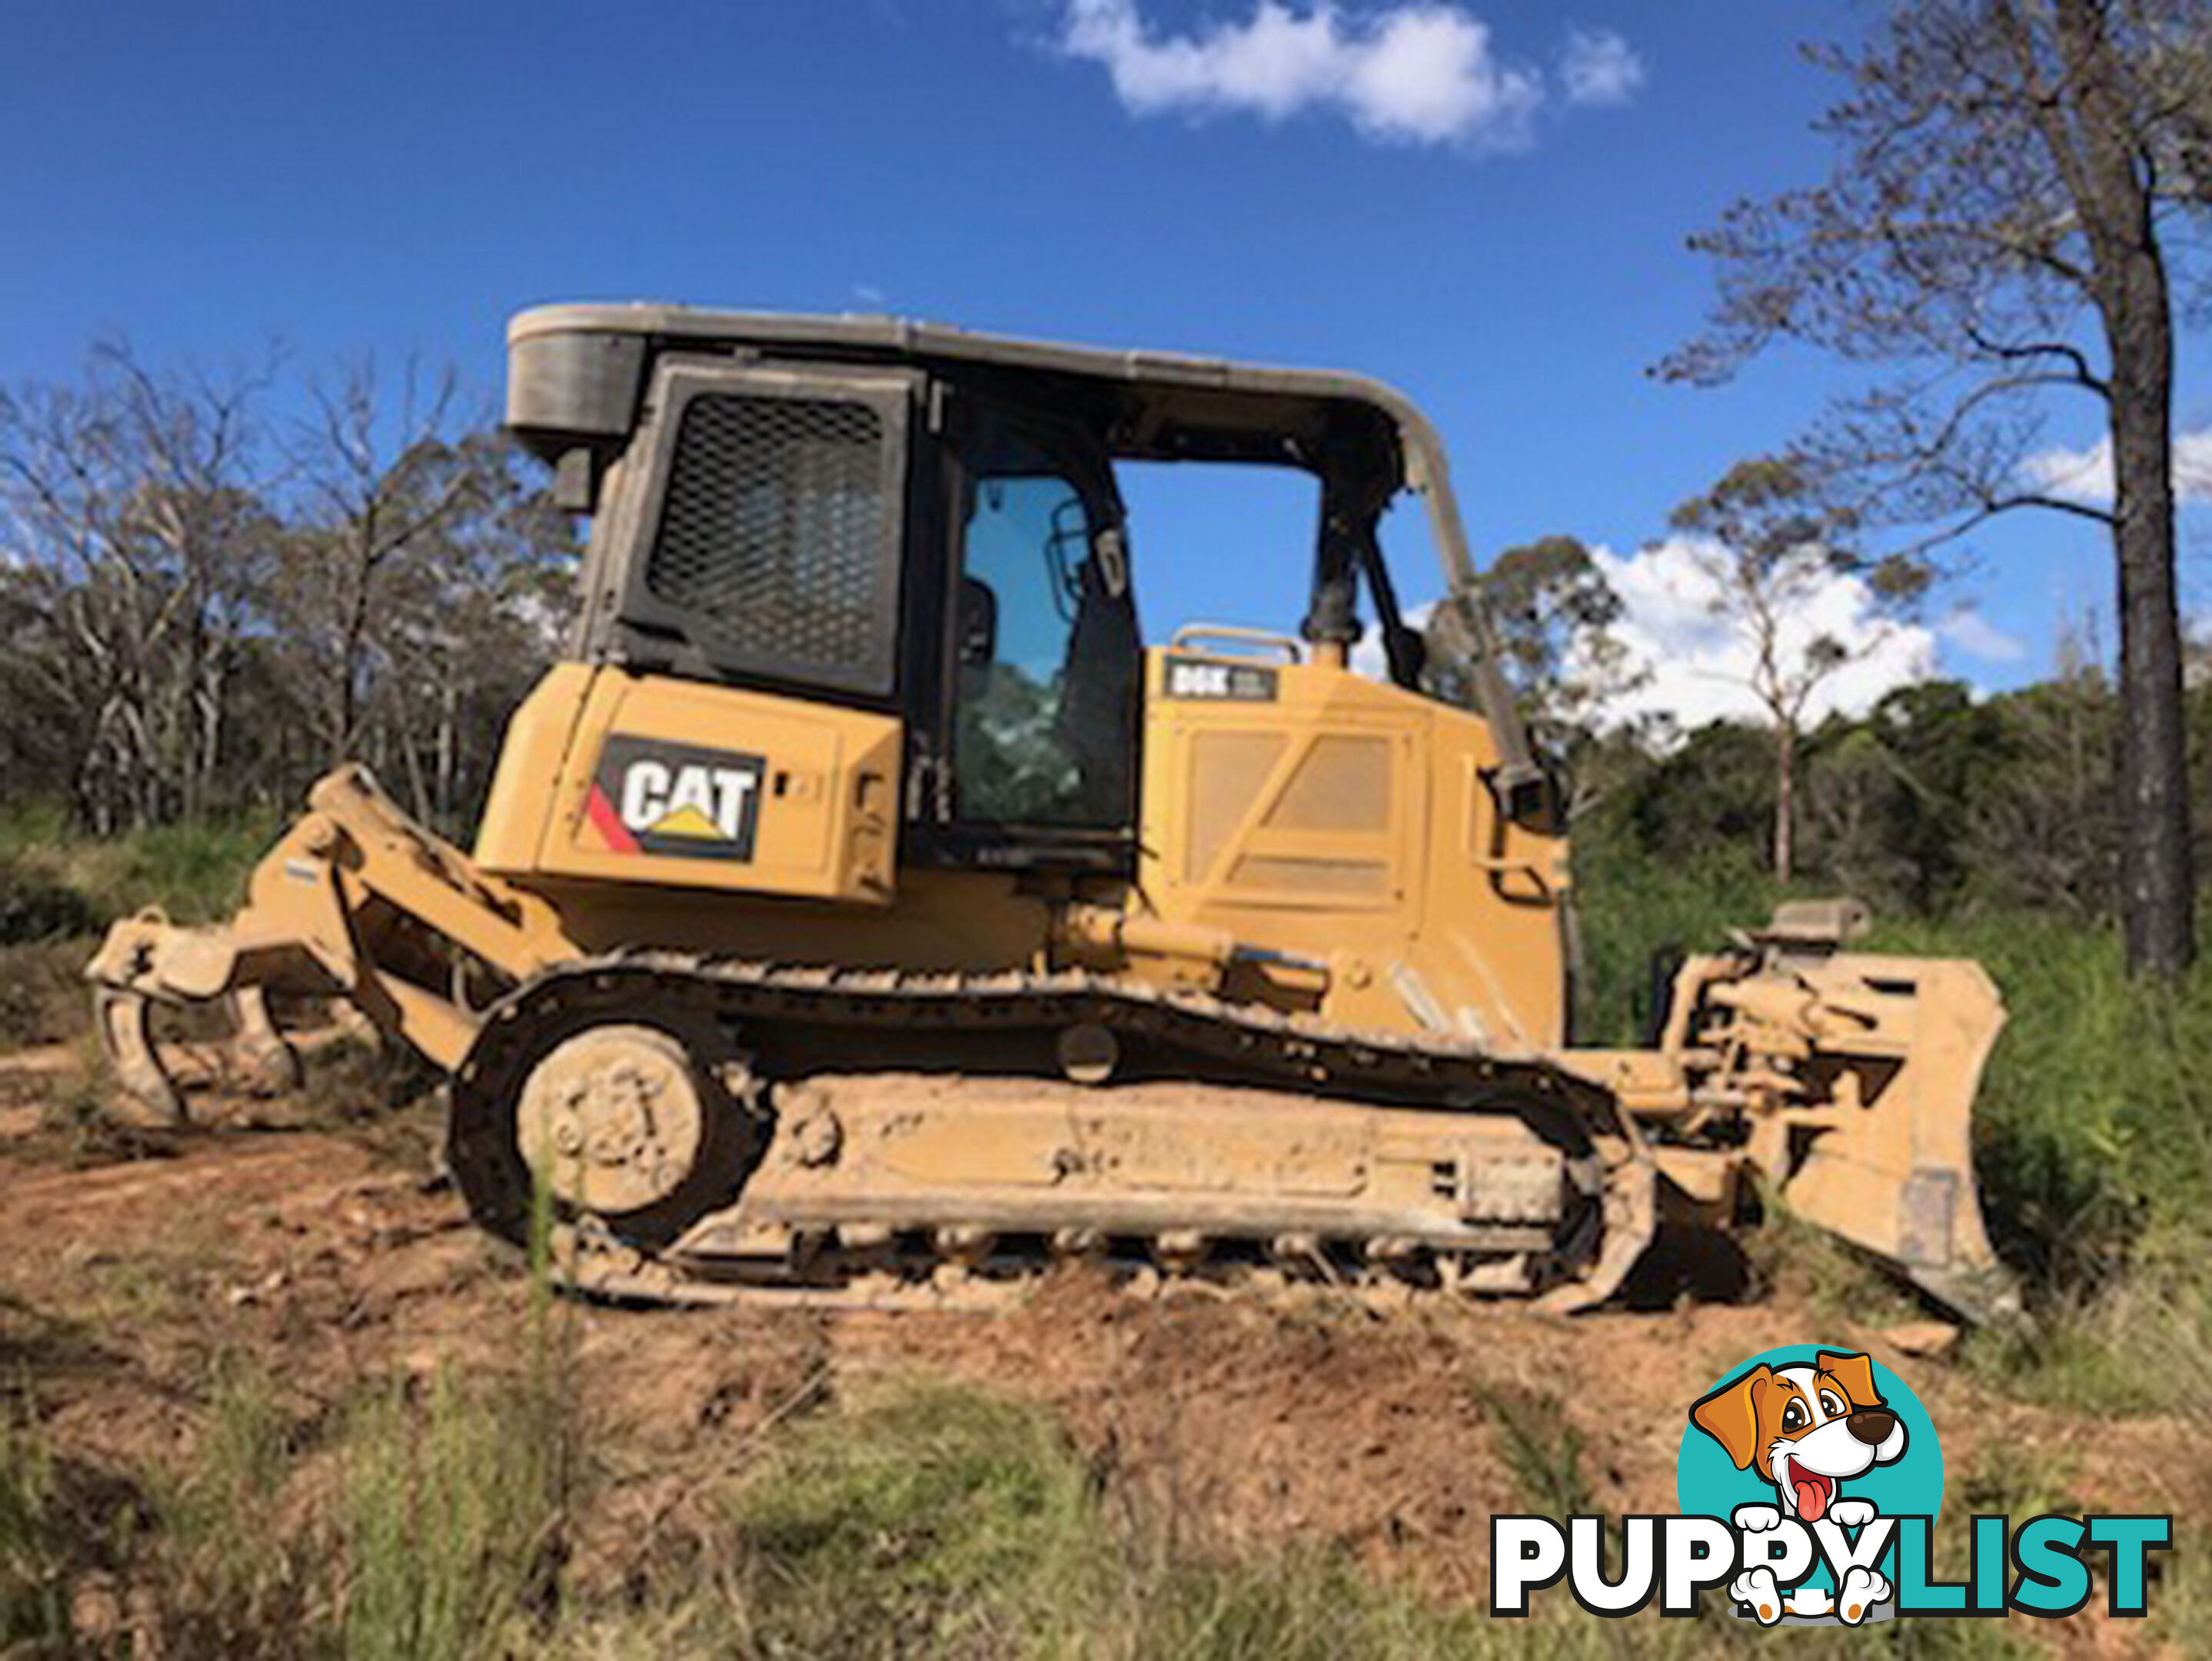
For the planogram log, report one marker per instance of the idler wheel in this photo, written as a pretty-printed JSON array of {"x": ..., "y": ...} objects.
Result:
[
  {"x": 638, "y": 1115},
  {"x": 610, "y": 1120}
]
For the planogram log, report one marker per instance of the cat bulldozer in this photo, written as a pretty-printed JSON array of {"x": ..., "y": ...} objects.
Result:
[{"x": 862, "y": 910}]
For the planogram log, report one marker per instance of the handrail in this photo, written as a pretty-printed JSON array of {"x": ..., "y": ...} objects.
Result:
[{"x": 1292, "y": 648}]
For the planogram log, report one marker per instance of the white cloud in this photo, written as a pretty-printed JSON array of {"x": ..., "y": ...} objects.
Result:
[
  {"x": 1967, "y": 631},
  {"x": 1368, "y": 657},
  {"x": 1600, "y": 68},
  {"x": 1697, "y": 664},
  {"x": 2086, "y": 476},
  {"x": 1700, "y": 663},
  {"x": 1419, "y": 72}
]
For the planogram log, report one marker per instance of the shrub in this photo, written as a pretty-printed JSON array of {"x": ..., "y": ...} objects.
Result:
[{"x": 34, "y": 907}]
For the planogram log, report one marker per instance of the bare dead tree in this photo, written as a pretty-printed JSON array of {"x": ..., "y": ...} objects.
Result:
[
  {"x": 471, "y": 618},
  {"x": 140, "y": 539},
  {"x": 380, "y": 466},
  {"x": 2014, "y": 184},
  {"x": 387, "y": 586}
]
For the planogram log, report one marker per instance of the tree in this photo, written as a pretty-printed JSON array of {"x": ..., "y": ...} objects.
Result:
[
  {"x": 382, "y": 478},
  {"x": 418, "y": 587},
  {"x": 1768, "y": 547},
  {"x": 1703, "y": 802},
  {"x": 472, "y": 620},
  {"x": 2042, "y": 829},
  {"x": 1892, "y": 795},
  {"x": 1554, "y": 614},
  {"x": 2014, "y": 183},
  {"x": 139, "y": 536},
  {"x": 185, "y": 626}
]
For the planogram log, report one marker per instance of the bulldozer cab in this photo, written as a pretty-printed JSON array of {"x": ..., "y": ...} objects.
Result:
[{"x": 924, "y": 524}]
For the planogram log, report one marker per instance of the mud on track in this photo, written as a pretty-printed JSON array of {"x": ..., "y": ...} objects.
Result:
[{"x": 127, "y": 1271}]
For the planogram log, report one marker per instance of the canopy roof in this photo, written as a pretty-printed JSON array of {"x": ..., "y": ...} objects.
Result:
[{"x": 1160, "y": 405}]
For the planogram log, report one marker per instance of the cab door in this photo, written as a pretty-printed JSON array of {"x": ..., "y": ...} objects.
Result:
[{"x": 1041, "y": 647}]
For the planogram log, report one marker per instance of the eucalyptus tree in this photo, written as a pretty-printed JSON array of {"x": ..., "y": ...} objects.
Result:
[{"x": 2020, "y": 190}]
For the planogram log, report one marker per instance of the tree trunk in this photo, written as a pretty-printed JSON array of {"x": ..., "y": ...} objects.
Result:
[
  {"x": 2158, "y": 882},
  {"x": 2109, "y": 180},
  {"x": 448, "y": 719},
  {"x": 1785, "y": 800}
]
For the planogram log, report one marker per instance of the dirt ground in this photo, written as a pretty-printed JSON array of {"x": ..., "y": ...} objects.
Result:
[{"x": 125, "y": 1268}]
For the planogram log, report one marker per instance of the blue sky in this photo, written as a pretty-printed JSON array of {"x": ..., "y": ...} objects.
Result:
[{"x": 1494, "y": 222}]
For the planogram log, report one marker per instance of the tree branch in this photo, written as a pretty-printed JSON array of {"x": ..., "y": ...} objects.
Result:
[{"x": 2083, "y": 374}]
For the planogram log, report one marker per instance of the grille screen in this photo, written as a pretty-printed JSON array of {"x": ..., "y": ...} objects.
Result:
[{"x": 772, "y": 533}]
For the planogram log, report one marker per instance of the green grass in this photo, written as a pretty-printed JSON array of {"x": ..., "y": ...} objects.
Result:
[
  {"x": 901, "y": 1519},
  {"x": 59, "y": 893},
  {"x": 198, "y": 1560},
  {"x": 916, "y": 1520},
  {"x": 412, "y": 1522},
  {"x": 196, "y": 871},
  {"x": 2094, "y": 1124},
  {"x": 36, "y": 1568},
  {"x": 449, "y": 1525}
]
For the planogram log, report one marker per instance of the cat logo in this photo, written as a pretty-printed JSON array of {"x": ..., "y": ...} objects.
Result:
[{"x": 676, "y": 800}]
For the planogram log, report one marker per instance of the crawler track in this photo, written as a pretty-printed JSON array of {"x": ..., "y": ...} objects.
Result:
[{"x": 769, "y": 1031}]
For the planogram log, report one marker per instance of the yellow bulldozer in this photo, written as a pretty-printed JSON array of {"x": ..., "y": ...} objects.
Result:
[{"x": 862, "y": 910}]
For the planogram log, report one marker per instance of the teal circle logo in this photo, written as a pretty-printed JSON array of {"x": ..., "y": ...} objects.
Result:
[{"x": 1818, "y": 1432}]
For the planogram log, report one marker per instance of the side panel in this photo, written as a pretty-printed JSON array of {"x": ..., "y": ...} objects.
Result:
[
  {"x": 1303, "y": 809},
  {"x": 538, "y": 734},
  {"x": 1492, "y": 950},
  {"x": 681, "y": 783}
]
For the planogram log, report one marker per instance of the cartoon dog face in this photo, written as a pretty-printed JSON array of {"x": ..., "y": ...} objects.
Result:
[{"x": 1805, "y": 1429}]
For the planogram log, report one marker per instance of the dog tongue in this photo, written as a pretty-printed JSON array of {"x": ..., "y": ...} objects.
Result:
[{"x": 1812, "y": 1499}]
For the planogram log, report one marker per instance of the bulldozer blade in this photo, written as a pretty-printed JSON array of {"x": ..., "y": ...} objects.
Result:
[{"x": 1893, "y": 1171}]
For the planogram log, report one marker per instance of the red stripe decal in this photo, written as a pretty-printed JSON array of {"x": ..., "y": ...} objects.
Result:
[{"x": 608, "y": 823}]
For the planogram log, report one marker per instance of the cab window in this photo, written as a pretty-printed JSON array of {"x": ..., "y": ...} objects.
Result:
[{"x": 1044, "y": 643}]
